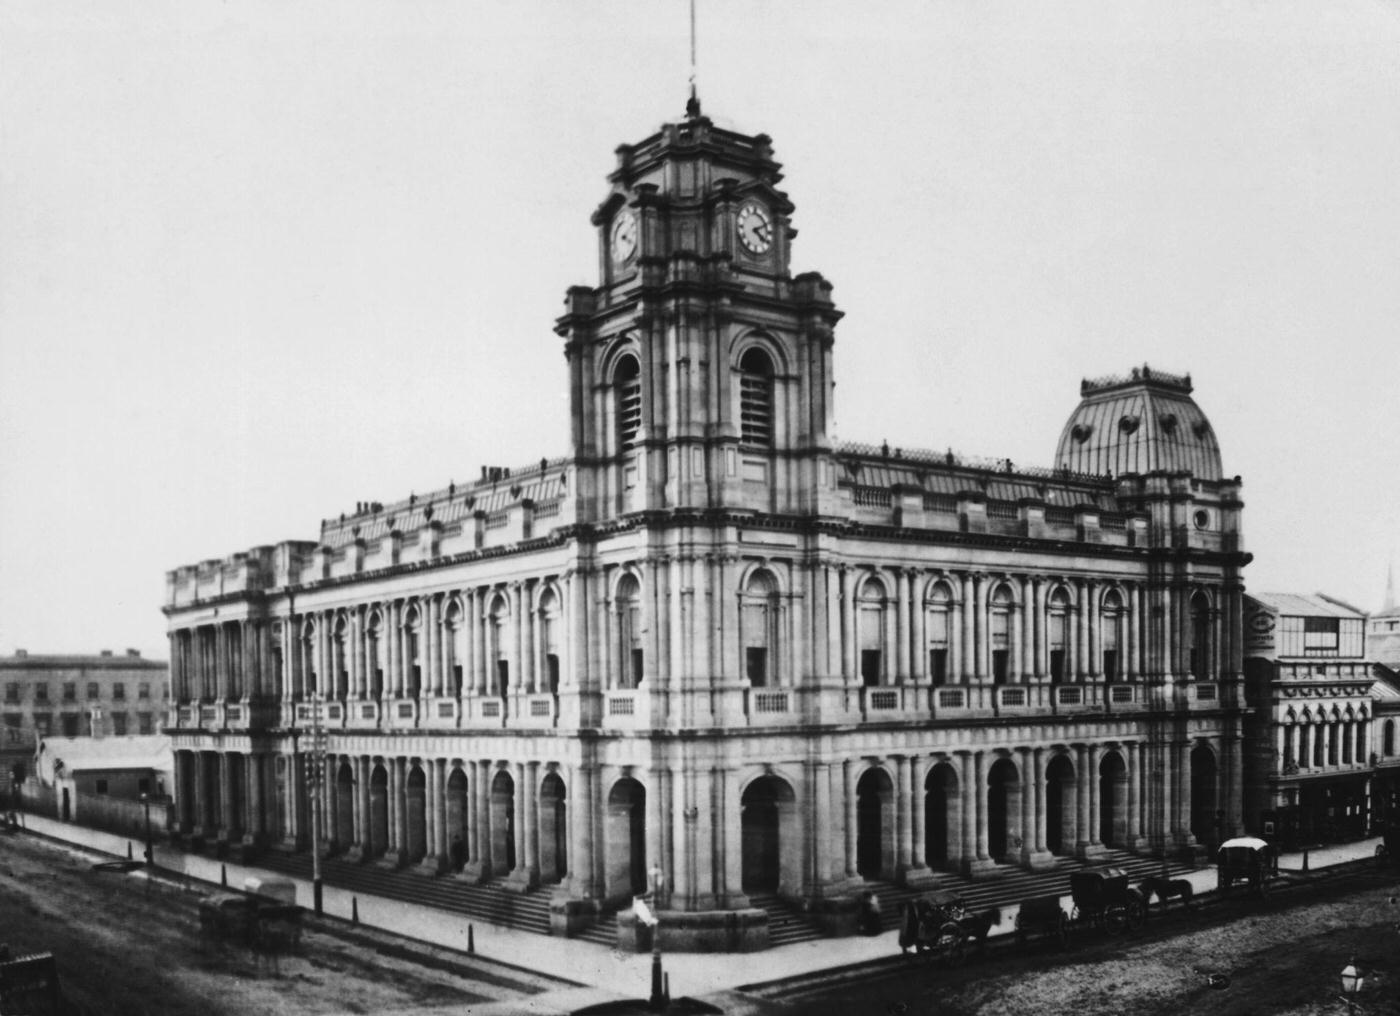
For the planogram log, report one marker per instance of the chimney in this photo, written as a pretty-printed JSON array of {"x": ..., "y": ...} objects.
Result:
[
  {"x": 106, "y": 652},
  {"x": 134, "y": 653},
  {"x": 21, "y": 653}
]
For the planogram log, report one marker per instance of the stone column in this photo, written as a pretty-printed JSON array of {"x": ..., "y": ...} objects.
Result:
[
  {"x": 918, "y": 820},
  {"x": 982, "y": 584},
  {"x": 1182, "y": 815},
  {"x": 903, "y": 839},
  {"x": 1095, "y": 813},
  {"x": 980, "y": 803},
  {"x": 967, "y": 811},
  {"x": 1095, "y": 653},
  {"x": 532, "y": 822},
  {"x": 1027, "y": 805},
  {"x": 821, "y": 826},
  {"x": 967, "y": 648},
  {"x": 521, "y": 869},
  {"x": 902, "y": 631},
  {"x": 1038, "y": 762},
  {"x": 1134, "y": 798},
  {"x": 225, "y": 796},
  {"x": 1082, "y": 835},
  {"x": 852, "y": 817},
  {"x": 732, "y": 838},
  {"x": 850, "y": 670},
  {"x": 581, "y": 864}
]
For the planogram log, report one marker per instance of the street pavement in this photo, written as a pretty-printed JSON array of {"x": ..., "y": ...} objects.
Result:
[{"x": 603, "y": 974}]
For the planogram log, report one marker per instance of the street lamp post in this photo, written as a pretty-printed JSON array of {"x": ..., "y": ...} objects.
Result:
[
  {"x": 1352, "y": 980},
  {"x": 659, "y": 1000},
  {"x": 150, "y": 852},
  {"x": 314, "y": 778}
]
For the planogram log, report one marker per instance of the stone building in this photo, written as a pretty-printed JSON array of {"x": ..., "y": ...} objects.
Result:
[
  {"x": 1383, "y": 628},
  {"x": 1313, "y": 693},
  {"x": 82, "y": 696},
  {"x": 710, "y": 641}
]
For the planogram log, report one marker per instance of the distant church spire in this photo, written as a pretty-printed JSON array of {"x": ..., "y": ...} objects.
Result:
[
  {"x": 692, "y": 106},
  {"x": 1389, "y": 604}
]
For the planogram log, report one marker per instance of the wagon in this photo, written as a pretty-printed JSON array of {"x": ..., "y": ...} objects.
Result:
[
  {"x": 1246, "y": 861},
  {"x": 1388, "y": 850},
  {"x": 932, "y": 924},
  {"x": 1104, "y": 899},
  {"x": 1042, "y": 915}
]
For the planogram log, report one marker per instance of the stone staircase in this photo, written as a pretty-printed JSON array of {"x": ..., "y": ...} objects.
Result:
[
  {"x": 527, "y": 911},
  {"x": 785, "y": 924}
]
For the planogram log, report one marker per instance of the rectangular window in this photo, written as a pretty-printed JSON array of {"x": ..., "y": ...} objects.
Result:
[
  {"x": 1001, "y": 666},
  {"x": 143, "y": 690},
  {"x": 41, "y": 693},
  {"x": 43, "y": 724},
  {"x": 70, "y": 691},
  {"x": 102, "y": 786},
  {"x": 503, "y": 676},
  {"x": 938, "y": 666},
  {"x": 1110, "y": 665},
  {"x": 94, "y": 690},
  {"x": 143, "y": 785},
  {"x": 119, "y": 724},
  {"x": 551, "y": 662},
  {"x": 756, "y": 665},
  {"x": 870, "y": 667},
  {"x": 12, "y": 691},
  {"x": 1057, "y": 666},
  {"x": 1321, "y": 634},
  {"x": 70, "y": 724},
  {"x": 145, "y": 723},
  {"x": 118, "y": 691},
  {"x": 636, "y": 667},
  {"x": 14, "y": 720}
]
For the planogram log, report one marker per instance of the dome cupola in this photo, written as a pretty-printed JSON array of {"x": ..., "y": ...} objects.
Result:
[{"x": 1146, "y": 422}]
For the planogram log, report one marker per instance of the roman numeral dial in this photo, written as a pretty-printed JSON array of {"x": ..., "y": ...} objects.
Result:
[{"x": 755, "y": 228}]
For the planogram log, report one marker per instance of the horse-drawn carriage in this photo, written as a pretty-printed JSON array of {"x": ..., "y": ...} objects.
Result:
[
  {"x": 1104, "y": 899},
  {"x": 1042, "y": 915},
  {"x": 1247, "y": 861},
  {"x": 938, "y": 925}
]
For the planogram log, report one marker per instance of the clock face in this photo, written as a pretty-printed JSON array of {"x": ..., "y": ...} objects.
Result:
[
  {"x": 624, "y": 236},
  {"x": 755, "y": 229}
]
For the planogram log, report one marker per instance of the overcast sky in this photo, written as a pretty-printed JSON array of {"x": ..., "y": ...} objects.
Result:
[{"x": 259, "y": 261}]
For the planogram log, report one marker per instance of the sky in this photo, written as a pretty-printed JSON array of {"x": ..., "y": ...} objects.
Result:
[{"x": 260, "y": 261}]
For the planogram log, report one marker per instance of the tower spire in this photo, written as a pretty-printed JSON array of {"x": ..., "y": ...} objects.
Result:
[
  {"x": 692, "y": 106},
  {"x": 1389, "y": 604}
]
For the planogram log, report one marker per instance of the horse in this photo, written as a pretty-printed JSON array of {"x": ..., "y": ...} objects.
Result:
[
  {"x": 979, "y": 924},
  {"x": 1165, "y": 889}
]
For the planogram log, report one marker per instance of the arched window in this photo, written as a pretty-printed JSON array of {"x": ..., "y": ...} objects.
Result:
[
  {"x": 756, "y": 399},
  {"x": 759, "y": 629},
  {"x": 1000, "y": 610},
  {"x": 938, "y": 624},
  {"x": 1389, "y": 738},
  {"x": 1111, "y": 635},
  {"x": 375, "y": 654},
  {"x": 454, "y": 650},
  {"x": 871, "y": 620},
  {"x": 1057, "y": 641},
  {"x": 629, "y": 632},
  {"x": 549, "y": 641},
  {"x": 412, "y": 656},
  {"x": 627, "y": 390},
  {"x": 501, "y": 637},
  {"x": 340, "y": 660}
]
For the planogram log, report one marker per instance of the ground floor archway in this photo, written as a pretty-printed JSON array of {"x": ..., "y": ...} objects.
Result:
[
  {"x": 942, "y": 818},
  {"x": 1003, "y": 811},
  {"x": 1113, "y": 801},
  {"x": 1204, "y": 801},
  {"x": 875, "y": 825},
  {"x": 1061, "y": 803}
]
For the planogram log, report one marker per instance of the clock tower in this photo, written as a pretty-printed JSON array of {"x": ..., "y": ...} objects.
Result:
[{"x": 699, "y": 366}]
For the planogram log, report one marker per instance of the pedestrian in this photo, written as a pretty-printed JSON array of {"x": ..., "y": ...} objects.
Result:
[{"x": 870, "y": 914}]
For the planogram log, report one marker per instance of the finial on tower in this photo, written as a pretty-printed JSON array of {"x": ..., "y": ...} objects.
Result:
[
  {"x": 692, "y": 106},
  {"x": 1389, "y": 604}
]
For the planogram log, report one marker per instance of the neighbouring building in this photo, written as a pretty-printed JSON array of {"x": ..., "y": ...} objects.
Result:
[
  {"x": 1383, "y": 628},
  {"x": 99, "y": 781},
  {"x": 1316, "y": 737},
  {"x": 711, "y": 641},
  {"x": 103, "y": 695}
]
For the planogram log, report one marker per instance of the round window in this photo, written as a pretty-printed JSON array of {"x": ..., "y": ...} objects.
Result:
[{"x": 1202, "y": 519}]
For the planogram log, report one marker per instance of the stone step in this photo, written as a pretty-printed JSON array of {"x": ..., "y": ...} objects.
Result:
[{"x": 785, "y": 925}]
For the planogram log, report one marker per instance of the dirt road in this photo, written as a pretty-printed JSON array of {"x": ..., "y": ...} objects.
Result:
[{"x": 128, "y": 946}]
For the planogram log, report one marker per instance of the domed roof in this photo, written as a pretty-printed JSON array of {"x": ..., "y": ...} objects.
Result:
[{"x": 1143, "y": 423}]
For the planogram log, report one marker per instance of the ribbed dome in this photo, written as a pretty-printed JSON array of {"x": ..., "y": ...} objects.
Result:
[{"x": 1143, "y": 423}]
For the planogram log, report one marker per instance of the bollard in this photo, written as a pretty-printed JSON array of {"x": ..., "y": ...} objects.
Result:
[
  {"x": 1305, "y": 860},
  {"x": 223, "y": 875},
  {"x": 666, "y": 991},
  {"x": 471, "y": 941},
  {"x": 354, "y": 910},
  {"x": 128, "y": 850}
]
